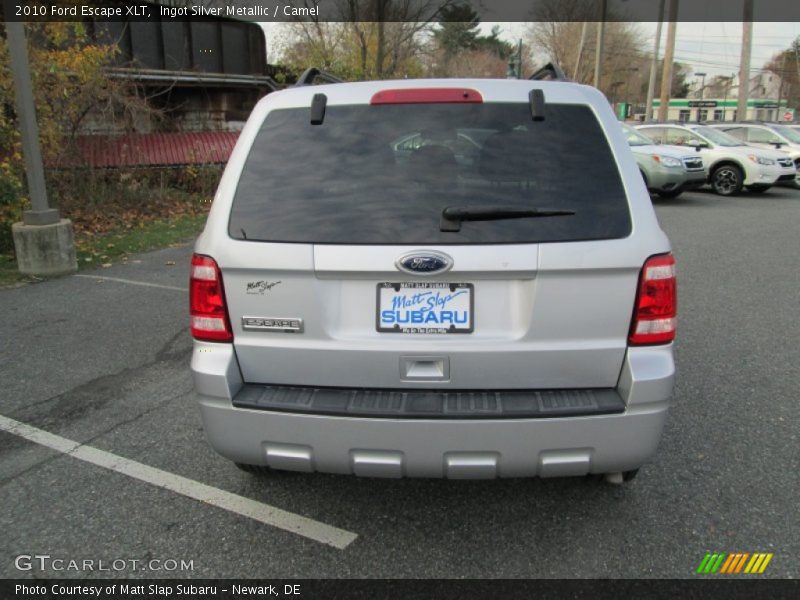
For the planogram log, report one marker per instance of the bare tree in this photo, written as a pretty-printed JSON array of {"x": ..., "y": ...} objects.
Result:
[
  {"x": 382, "y": 35},
  {"x": 556, "y": 33}
]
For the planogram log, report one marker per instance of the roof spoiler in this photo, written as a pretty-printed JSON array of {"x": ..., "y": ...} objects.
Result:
[
  {"x": 311, "y": 74},
  {"x": 550, "y": 72}
]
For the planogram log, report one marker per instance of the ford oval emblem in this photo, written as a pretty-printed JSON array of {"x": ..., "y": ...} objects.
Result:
[{"x": 424, "y": 262}]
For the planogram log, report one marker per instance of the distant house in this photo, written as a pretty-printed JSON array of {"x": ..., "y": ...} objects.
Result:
[{"x": 718, "y": 101}]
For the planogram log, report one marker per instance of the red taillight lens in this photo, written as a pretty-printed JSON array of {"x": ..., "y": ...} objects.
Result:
[
  {"x": 655, "y": 313},
  {"x": 426, "y": 96},
  {"x": 209, "y": 315}
]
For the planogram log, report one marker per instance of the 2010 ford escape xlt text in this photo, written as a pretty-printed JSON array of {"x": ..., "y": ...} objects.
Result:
[{"x": 434, "y": 278}]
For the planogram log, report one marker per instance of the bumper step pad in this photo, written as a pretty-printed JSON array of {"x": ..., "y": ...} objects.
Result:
[{"x": 430, "y": 404}]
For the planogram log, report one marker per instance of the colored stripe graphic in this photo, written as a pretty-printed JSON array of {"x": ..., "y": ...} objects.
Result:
[
  {"x": 718, "y": 564},
  {"x": 740, "y": 564},
  {"x": 733, "y": 563},
  {"x": 764, "y": 564},
  {"x": 729, "y": 563},
  {"x": 752, "y": 564},
  {"x": 703, "y": 563}
]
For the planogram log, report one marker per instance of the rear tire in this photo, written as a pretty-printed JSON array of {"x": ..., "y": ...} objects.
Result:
[
  {"x": 629, "y": 475},
  {"x": 253, "y": 469},
  {"x": 758, "y": 189},
  {"x": 613, "y": 478},
  {"x": 727, "y": 180}
]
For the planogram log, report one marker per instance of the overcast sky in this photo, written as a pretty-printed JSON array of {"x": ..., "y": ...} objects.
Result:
[{"x": 711, "y": 48}]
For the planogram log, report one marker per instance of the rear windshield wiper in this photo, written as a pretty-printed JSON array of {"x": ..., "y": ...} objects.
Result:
[{"x": 452, "y": 216}]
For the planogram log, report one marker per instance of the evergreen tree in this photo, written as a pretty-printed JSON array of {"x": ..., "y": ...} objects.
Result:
[{"x": 458, "y": 29}]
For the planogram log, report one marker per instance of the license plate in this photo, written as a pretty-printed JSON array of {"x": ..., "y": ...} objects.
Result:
[{"x": 425, "y": 307}]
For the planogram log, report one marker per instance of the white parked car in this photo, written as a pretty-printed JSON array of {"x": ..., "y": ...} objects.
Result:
[{"x": 771, "y": 136}]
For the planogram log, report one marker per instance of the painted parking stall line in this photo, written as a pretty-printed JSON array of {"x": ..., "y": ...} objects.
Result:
[
  {"x": 133, "y": 282},
  {"x": 258, "y": 511}
]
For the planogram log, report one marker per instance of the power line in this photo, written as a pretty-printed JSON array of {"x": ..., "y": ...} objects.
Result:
[{"x": 684, "y": 58}]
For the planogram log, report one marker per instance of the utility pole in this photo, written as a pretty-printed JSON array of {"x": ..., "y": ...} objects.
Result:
[
  {"x": 43, "y": 241},
  {"x": 601, "y": 33},
  {"x": 669, "y": 53},
  {"x": 702, "y": 90},
  {"x": 41, "y": 214},
  {"x": 580, "y": 51},
  {"x": 514, "y": 70},
  {"x": 651, "y": 85},
  {"x": 744, "y": 63},
  {"x": 728, "y": 84},
  {"x": 780, "y": 87}
]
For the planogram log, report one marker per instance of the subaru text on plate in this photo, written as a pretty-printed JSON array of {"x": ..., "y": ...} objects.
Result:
[{"x": 434, "y": 278}]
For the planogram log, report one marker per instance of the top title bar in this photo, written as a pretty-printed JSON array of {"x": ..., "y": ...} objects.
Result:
[{"x": 394, "y": 10}]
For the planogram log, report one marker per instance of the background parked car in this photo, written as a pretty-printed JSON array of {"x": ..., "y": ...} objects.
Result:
[
  {"x": 730, "y": 163},
  {"x": 667, "y": 170},
  {"x": 769, "y": 136}
]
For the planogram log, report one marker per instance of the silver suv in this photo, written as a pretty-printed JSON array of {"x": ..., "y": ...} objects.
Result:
[{"x": 397, "y": 279}]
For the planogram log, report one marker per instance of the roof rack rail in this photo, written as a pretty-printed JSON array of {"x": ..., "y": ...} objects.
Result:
[
  {"x": 313, "y": 73},
  {"x": 671, "y": 122},
  {"x": 550, "y": 72}
]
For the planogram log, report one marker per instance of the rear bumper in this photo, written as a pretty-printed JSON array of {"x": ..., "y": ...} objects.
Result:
[{"x": 453, "y": 448}]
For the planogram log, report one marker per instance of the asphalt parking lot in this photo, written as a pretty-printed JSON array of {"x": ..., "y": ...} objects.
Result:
[{"x": 102, "y": 359}]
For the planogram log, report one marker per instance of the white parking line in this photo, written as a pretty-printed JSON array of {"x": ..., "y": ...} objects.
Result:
[
  {"x": 132, "y": 282},
  {"x": 264, "y": 513}
]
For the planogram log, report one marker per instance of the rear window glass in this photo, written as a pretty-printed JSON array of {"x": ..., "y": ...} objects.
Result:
[{"x": 383, "y": 174}]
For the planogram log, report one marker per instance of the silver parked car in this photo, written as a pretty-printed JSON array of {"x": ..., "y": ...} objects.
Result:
[
  {"x": 666, "y": 170},
  {"x": 368, "y": 306}
]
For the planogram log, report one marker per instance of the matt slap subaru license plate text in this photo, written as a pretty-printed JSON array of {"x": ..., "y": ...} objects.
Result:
[{"x": 425, "y": 307}]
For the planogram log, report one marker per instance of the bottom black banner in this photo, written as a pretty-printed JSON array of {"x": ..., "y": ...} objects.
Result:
[{"x": 387, "y": 589}]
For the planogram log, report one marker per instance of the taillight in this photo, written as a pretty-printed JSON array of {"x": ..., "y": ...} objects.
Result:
[
  {"x": 209, "y": 315},
  {"x": 655, "y": 312}
]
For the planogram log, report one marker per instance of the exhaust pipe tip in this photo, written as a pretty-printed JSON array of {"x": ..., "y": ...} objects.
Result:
[{"x": 614, "y": 478}]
